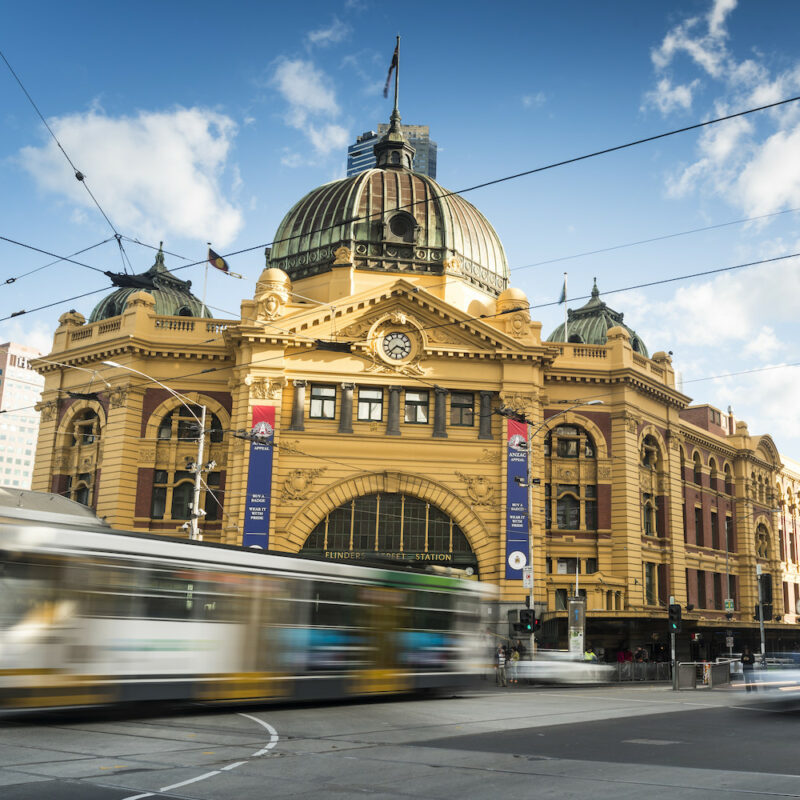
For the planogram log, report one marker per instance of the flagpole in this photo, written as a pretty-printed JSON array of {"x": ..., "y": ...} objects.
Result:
[
  {"x": 397, "y": 75},
  {"x": 205, "y": 285},
  {"x": 566, "y": 314}
]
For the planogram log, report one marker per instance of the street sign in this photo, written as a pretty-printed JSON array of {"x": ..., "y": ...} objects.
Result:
[
  {"x": 527, "y": 577},
  {"x": 729, "y": 604},
  {"x": 729, "y": 642}
]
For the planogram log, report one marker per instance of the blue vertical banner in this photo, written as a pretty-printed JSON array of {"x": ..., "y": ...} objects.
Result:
[
  {"x": 259, "y": 479},
  {"x": 517, "y": 546}
]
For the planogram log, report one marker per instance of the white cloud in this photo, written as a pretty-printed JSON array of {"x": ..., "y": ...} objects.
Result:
[
  {"x": 336, "y": 32},
  {"x": 771, "y": 179},
  {"x": 533, "y": 100},
  {"x": 36, "y": 334},
  {"x": 156, "y": 174},
  {"x": 312, "y": 104},
  {"x": 668, "y": 98}
]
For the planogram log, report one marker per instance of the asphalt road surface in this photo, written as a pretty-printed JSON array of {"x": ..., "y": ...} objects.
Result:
[{"x": 600, "y": 742}]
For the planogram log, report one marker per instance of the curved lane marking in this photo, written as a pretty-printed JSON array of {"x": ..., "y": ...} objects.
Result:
[{"x": 273, "y": 740}]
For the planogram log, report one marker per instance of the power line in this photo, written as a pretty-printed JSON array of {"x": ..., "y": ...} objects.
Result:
[
  {"x": 495, "y": 181},
  {"x": 479, "y": 186},
  {"x": 655, "y": 239},
  {"x": 79, "y": 176},
  {"x": 57, "y": 303},
  {"x": 58, "y": 260}
]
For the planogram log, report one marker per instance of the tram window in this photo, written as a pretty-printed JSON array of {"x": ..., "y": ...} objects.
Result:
[
  {"x": 332, "y": 604},
  {"x": 168, "y": 597}
]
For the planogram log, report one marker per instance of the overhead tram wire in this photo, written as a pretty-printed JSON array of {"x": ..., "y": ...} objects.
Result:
[
  {"x": 59, "y": 259},
  {"x": 79, "y": 176},
  {"x": 661, "y": 238},
  {"x": 480, "y": 185},
  {"x": 495, "y": 181}
]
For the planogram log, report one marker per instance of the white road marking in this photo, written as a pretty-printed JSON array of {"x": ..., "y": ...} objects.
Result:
[
  {"x": 273, "y": 740},
  {"x": 648, "y": 741}
]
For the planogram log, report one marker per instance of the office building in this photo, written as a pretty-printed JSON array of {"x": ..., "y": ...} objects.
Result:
[{"x": 361, "y": 155}]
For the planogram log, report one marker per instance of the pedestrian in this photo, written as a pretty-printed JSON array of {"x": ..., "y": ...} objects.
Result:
[
  {"x": 513, "y": 661},
  {"x": 590, "y": 655},
  {"x": 521, "y": 649},
  {"x": 500, "y": 664},
  {"x": 748, "y": 663}
]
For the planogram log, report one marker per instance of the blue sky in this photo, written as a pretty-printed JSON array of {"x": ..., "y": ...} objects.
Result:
[{"x": 200, "y": 122}]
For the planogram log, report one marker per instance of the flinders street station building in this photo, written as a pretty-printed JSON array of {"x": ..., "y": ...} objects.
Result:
[{"x": 397, "y": 386}]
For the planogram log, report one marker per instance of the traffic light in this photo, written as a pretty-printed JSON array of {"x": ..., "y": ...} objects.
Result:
[
  {"x": 526, "y": 620},
  {"x": 537, "y": 623},
  {"x": 674, "y": 618},
  {"x": 765, "y": 579}
]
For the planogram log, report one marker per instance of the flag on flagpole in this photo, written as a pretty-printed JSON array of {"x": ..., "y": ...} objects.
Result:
[
  {"x": 216, "y": 260},
  {"x": 392, "y": 66},
  {"x": 563, "y": 298}
]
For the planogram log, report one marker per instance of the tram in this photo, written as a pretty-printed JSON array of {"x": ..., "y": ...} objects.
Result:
[{"x": 93, "y": 616}]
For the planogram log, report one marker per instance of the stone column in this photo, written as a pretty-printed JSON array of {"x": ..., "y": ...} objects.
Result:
[
  {"x": 297, "y": 406},
  {"x": 346, "y": 411},
  {"x": 440, "y": 413},
  {"x": 393, "y": 415},
  {"x": 485, "y": 416}
]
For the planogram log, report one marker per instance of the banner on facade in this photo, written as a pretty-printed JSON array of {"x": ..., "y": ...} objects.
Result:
[
  {"x": 259, "y": 479},
  {"x": 517, "y": 547}
]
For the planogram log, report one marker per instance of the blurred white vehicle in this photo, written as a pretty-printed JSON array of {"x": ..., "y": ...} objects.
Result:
[{"x": 563, "y": 668}]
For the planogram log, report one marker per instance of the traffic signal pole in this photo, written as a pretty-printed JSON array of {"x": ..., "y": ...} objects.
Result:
[{"x": 761, "y": 614}]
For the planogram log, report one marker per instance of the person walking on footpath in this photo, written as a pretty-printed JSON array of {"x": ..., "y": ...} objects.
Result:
[
  {"x": 748, "y": 662},
  {"x": 500, "y": 663}
]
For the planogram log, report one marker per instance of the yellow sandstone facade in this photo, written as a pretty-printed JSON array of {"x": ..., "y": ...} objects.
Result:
[{"x": 384, "y": 338}]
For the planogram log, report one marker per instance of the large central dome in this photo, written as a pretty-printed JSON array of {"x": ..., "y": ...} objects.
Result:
[{"x": 391, "y": 219}]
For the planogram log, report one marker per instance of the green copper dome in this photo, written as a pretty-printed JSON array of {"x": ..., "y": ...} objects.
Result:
[
  {"x": 172, "y": 295},
  {"x": 589, "y": 324},
  {"x": 390, "y": 219}
]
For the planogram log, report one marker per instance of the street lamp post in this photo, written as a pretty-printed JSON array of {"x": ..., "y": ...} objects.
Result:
[
  {"x": 530, "y": 482},
  {"x": 194, "y": 530}
]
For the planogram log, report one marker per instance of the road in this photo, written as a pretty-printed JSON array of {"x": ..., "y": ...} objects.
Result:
[{"x": 598, "y": 742}]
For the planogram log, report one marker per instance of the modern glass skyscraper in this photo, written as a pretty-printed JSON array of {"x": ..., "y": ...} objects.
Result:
[{"x": 360, "y": 155}]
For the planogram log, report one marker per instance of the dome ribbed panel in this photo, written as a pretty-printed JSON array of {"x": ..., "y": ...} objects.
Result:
[{"x": 168, "y": 303}]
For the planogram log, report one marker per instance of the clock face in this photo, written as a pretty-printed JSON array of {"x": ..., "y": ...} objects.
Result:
[{"x": 396, "y": 345}]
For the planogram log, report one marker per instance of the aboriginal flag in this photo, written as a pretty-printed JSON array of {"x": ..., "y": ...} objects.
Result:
[
  {"x": 392, "y": 66},
  {"x": 217, "y": 261}
]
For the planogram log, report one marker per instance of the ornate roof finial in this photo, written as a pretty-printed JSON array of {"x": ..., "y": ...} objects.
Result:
[
  {"x": 595, "y": 291},
  {"x": 160, "y": 257}
]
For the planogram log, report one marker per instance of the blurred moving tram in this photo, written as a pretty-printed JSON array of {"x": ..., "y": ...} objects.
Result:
[{"x": 94, "y": 616}]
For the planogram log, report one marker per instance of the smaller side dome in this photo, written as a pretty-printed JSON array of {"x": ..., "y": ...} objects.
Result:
[
  {"x": 511, "y": 299},
  {"x": 590, "y": 324},
  {"x": 171, "y": 295}
]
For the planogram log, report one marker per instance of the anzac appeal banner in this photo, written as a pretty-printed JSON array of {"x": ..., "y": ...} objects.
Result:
[
  {"x": 517, "y": 547},
  {"x": 259, "y": 479}
]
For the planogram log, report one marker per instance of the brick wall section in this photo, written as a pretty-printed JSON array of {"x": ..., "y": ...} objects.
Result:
[
  {"x": 662, "y": 515},
  {"x": 144, "y": 491},
  {"x": 59, "y": 485},
  {"x": 604, "y": 506},
  {"x": 153, "y": 398}
]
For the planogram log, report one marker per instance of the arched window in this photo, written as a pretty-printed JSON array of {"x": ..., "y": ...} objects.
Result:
[
  {"x": 181, "y": 424},
  {"x": 573, "y": 506},
  {"x": 698, "y": 471},
  {"x": 184, "y": 311},
  {"x": 394, "y": 525},
  {"x": 86, "y": 428},
  {"x": 712, "y": 469},
  {"x": 575, "y": 338},
  {"x": 649, "y": 516}
]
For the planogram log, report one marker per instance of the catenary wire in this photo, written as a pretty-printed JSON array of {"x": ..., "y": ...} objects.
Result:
[
  {"x": 78, "y": 174},
  {"x": 553, "y": 165},
  {"x": 59, "y": 259}
]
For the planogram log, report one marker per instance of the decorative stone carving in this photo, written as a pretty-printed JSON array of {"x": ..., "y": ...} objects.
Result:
[
  {"x": 452, "y": 264},
  {"x": 568, "y": 474},
  {"x": 298, "y": 483},
  {"x": 342, "y": 256},
  {"x": 265, "y": 388},
  {"x": 762, "y": 544},
  {"x": 604, "y": 473},
  {"x": 272, "y": 293},
  {"x": 270, "y": 307},
  {"x": 479, "y": 489},
  {"x": 519, "y": 403},
  {"x": 489, "y": 456},
  {"x": 87, "y": 463},
  {"x": 118, "y": 396},
  {"x": 398, "y": 318},
  {"x": 60, "y": 463},
  {"x": 291, "y": 448},
  {"x": 147, "y": 454},
  {"x": 47, "y": 410},
  {"x": 518, "y": 326}
]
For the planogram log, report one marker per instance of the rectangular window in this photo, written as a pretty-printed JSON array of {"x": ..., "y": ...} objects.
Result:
[
  {"x": 567, "y": 566},
  {"x": 591, "y": 566},
  {"x": 698, "y": 527},
  {"x": 714, "y": 530},
  {"x": 718, "y": 590},
  {"x": 370, "y": 405},
  {"x": 462, "y": 409},
  {"x": 701, "y": 589},
  {"x": 561, "y": 599},
  {"x": 650, "y": 584},
  {"x": 590, "y": 507},
  {"x": 548, "y": 508},
  {"x": 567, "y": 448},
  {"x": 416, "y": 408},
  {"x": 729, "y": 543},
  {"x": 323, "y": 402}
]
